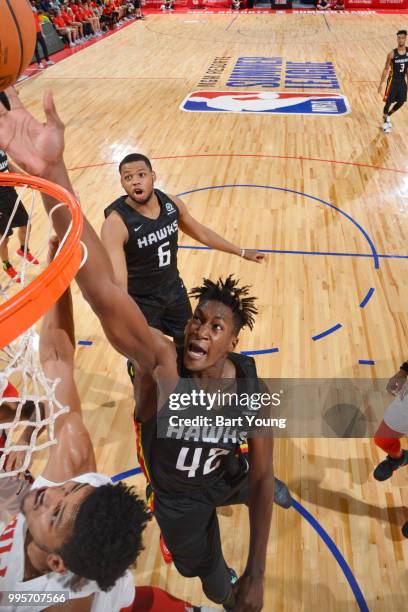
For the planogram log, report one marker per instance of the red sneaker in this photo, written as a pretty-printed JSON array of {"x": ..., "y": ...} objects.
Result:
[
  {"x": 28, "y": 256},
  {"x": 167, "y": 556},
  {"x": 12, "y": 273}
]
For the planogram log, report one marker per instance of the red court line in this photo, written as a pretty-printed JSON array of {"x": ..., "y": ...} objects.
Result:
[
  {"x": 109, "y": 78},
  {"x": 289, "y": 157}
]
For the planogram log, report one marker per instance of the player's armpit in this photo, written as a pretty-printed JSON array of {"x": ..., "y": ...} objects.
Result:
[{"x": 84, "y": 604}]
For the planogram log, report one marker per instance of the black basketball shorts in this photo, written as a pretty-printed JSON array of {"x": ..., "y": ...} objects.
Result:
[
  {"x": 189, "y": 524},
  {"x": 168, "y": 309},
  {"x": 20, "y": 217},
  {"x": 397, "y": 91}
]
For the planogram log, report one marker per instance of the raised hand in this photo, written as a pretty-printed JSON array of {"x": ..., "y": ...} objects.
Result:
[
  {"x": 249, "y": 594},
  {"x": 34, "y": 146},
  {"x": 254, "y": 255}
]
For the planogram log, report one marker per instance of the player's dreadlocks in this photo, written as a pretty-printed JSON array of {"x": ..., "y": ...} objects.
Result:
[{"x": 227, "y": 292}]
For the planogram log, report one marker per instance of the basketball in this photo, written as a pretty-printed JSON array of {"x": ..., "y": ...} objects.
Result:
[{"x": 17, "y": 39}]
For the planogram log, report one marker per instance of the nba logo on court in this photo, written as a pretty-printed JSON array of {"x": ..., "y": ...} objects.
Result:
[{"x": 278, "y": 103}]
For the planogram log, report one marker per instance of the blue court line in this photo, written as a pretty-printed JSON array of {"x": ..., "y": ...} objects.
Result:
[
  {"x": 289, "y": 252},
  {"x": 127, "y": 474},
  {"x": 301, "y": 193},
  {"x": 366, "y": 362},
  {"x": 367, "y": 297},
  {"x": 260, "y": 351},
  {"x": 331, "y": 330},
  {"x": 228, "y": 27},
  {"x": 336, "y": 553},
  {"x": 320, "y": 532}
]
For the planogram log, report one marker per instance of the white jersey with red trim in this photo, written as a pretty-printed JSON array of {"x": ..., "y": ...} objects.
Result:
[{"x": 12, "y": 557}]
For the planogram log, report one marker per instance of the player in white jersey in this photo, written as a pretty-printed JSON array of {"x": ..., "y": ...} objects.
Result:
[{"x": 76, "y": 531}]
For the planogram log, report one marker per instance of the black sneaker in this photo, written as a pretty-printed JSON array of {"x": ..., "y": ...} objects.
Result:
[
  {"x": 282, "y": 496},
  {"x": 386, "y": 468},
  {"x": 405, "y": 530}
]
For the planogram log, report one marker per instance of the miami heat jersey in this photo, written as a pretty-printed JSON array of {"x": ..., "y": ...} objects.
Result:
[
  {"x": 399, "y": 65},
  {"x": 151, "y": 249},
  {"x": 12, "y": 558}
]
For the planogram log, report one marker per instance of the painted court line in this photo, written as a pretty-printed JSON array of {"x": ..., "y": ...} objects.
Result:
[
  {"x": 336, "y": 553},
  {"x": 290, "y": 252},
  {"x": 261, "y": 351},
  {"x": 261, "y": 155},
  {"x": 321, "y": 532},
  {"x": 367, "y": 297},
  {"x": 301, "y": 193},
  {"x": 327, "y": 332},
  {"x": 231, "y": 22}
]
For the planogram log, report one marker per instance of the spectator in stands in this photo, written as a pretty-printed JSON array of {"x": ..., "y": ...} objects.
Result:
[
  {"x": 68, "y": 17},
  {"x": 64, "y": 30},
  {"x": 167, "y": 6},
  {"x": 136, "y": 10},
  {"x": 40, "y": 40},
  {"x": 110, "y": 14},
  {"x": 339, "y": 5},
  {"x": 87, "y": 19},
  {"x": 236, "y": 5},
  {"x": 76, "y": 8},
  {"x": 322, "y": 5},
  {"x": 87, "y": 9},
  {"x": 46, "y": 6}
]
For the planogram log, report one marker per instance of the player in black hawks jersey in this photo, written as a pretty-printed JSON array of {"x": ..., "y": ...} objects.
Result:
[
  {"x": 191, "y": 475},
  {"x": 8, "y": 198},
  {"x": 396, "y": 90},
  {"x": 141, "y": 238},
  {"x": 77, "y": 532}
]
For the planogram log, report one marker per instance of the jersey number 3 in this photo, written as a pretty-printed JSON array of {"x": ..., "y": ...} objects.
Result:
[
  {"x": 210, "y": 464},
  {"x": 164, "y": 255}
]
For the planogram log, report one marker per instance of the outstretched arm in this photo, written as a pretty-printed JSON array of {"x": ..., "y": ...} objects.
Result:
[
  {"x": 74, "y": 454},
  {"x": 385, "y": 71},
  {"x": 207, "y": 236},
  {"x": 249, "y": 588},
  {"x": 38, "y": 149}
]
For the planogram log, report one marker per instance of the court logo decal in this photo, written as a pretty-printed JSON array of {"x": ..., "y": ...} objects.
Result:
[
  {"x": 275, "y": 72},
  {"x": 214, "y": 72},
  {"x": 278, "y": 103}
]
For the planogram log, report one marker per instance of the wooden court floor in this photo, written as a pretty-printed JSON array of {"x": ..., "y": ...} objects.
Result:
[{"x": 122, "y": 95}]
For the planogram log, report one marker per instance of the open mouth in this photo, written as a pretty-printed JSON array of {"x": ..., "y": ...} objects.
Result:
[
  {"x": 39, "y": 497},
  {"x": 196, "y": 351},
  {"x": 138, "y": 192}
]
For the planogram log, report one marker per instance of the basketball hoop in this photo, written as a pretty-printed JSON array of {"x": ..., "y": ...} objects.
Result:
[
  {"x": 25, "y": 308},
  {"x": 23, "y": 303}
]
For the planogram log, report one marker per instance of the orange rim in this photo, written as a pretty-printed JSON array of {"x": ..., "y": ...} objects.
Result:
[{"x": 30, "y": 304}]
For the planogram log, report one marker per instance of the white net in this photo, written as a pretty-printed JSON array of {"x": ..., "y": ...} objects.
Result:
[
  {"x": 28, "y": 415},
  {"x": 22, "y": 434}
]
